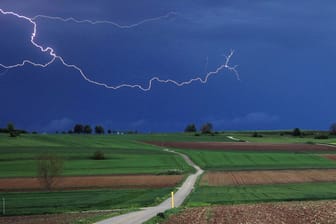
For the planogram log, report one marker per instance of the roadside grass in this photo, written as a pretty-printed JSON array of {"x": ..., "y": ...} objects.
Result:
[
  {"x": 204, "y": 196},
  {"x": 226, "y": 160},
  {"x": 161, "y": 217},
  {"x": 23, "y": 203}
]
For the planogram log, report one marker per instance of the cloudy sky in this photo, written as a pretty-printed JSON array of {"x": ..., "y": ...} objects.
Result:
[{"x": 285, "y": 51}]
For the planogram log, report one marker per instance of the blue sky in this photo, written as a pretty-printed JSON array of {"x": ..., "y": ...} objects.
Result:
[{"x": 285, "y": 51}]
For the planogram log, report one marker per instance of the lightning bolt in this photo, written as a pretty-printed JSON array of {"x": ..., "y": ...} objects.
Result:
[
  {"x": 54, "y": 56},
  {"x": 96, "y": 22}
]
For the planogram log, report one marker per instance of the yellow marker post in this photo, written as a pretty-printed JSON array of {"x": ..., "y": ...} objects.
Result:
[{"x": 172, "y": 200}]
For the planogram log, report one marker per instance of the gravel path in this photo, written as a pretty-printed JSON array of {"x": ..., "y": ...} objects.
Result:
[{"x": 145, "y": 214}]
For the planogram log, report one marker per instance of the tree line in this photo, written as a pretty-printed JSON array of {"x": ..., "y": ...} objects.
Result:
[
  {"x": 98, "y": 129},
  {"x": 206, "y": 128}
]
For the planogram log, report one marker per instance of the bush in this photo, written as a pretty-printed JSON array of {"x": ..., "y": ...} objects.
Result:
[
  {"x": 98, "y": 155},
  {"x": 171, "y": 172},
  {"x": 256, "y": 135},
  {"x": 197, "y": 134},
  {"x": 161, "y": 215}
]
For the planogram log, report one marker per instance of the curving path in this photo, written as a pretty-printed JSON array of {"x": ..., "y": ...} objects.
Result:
[{"x": 145, "y": 214}]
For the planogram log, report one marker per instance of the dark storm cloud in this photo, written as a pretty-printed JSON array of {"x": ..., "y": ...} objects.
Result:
[{"x": 285, "y": 51}]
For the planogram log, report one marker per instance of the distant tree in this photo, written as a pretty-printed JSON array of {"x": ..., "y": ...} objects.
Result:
[
  {"x": 296, "y": 132},
  {"x": 99, "y": 129},
  {"x": 87, "y": 129},
  {"x": 49, "y": 166},
  {"x": 333, "y": 129},
  {"x": 11, "y": 130},
  {"x": 207, "y": 128},
  {"x": 78, "y": 129},
  {"x": 190, "y": 128},
  {"x": 109, "y": 131}
]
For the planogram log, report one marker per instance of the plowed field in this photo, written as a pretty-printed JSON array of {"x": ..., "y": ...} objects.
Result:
[
  {"x": 267, "y": 177},
  {"x": 321, "y": 212},
  {"x": 331, "y": 156},
  {"x": 246, "y": 146},
  {"x": 85, "y": 182}
]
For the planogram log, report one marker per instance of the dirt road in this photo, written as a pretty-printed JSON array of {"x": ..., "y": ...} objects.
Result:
[{"x": 147, "y": 213}]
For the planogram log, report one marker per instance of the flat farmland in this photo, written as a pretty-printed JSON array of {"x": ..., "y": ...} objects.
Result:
[
  {"x": 209, "y": 195},
  {"x": 31, "y": 203},
  {"x": 21, "y": 162},
  {"x": 330, "y": 156},
  {"x": 67, "y": 218},
  {"x": 237, "y": 178},
  {"x": 323, "y": 212},
  {"x": 87, "y": 182},
  {"x": 248, "y": 146},
  {"x": 131, "y": 176},
  {"x": 227, "y": 160}
]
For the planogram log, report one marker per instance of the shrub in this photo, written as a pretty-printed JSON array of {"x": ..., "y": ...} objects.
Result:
[
  {"x": 171, "y": 172},
  {"x": 98, "y": 155},
  {"x": 256, "y": 135}
]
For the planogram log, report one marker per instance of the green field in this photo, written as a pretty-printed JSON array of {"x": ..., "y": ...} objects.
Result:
[
  {"x": 128, "y": 154},
  {"x": 29, "y": 203},
  {"x": 275, "y": 137},
  {"x": 226, "y": 160},
  {"x": 124, "y": 155},
  {"x": 103, "y": 141},
  {"x": 20, "y": 162},
  {"x": 261, "y": 193}
]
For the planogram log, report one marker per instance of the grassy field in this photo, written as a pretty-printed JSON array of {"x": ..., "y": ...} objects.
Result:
[
  {"x": 262, "y": 193},
  {"x": 127, "y": 154},
  {"x": 124, "y": 155},
  {"x": 103, "y": 141},
  {"x": 275, "y": 137},
  {"x": 81, "y": 200},
  {"x": 20, "y": 162},
  {"x": 224, "y": 160}
]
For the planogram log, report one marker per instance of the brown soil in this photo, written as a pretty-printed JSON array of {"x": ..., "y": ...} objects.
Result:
[
  {"x": 49, "y": 219},
  {"x": 267, "y": 177},
  {"x": 246, "y": 146},
  {"x": 330, "y": 156},
  {"x": 322, "y": 212},
  {"x": 86, "y": 182}
]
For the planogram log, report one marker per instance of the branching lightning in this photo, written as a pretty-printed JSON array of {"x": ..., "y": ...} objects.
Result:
[
  {"x": 51, "y": 52},
  {"x": 96, "y": 22}
]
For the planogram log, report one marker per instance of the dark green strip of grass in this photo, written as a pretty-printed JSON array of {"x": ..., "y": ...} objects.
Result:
[
  {"x": 262, "y": 193},
  {"x": 81, "y": 200},
  {"x": 226, "y": 160}
]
